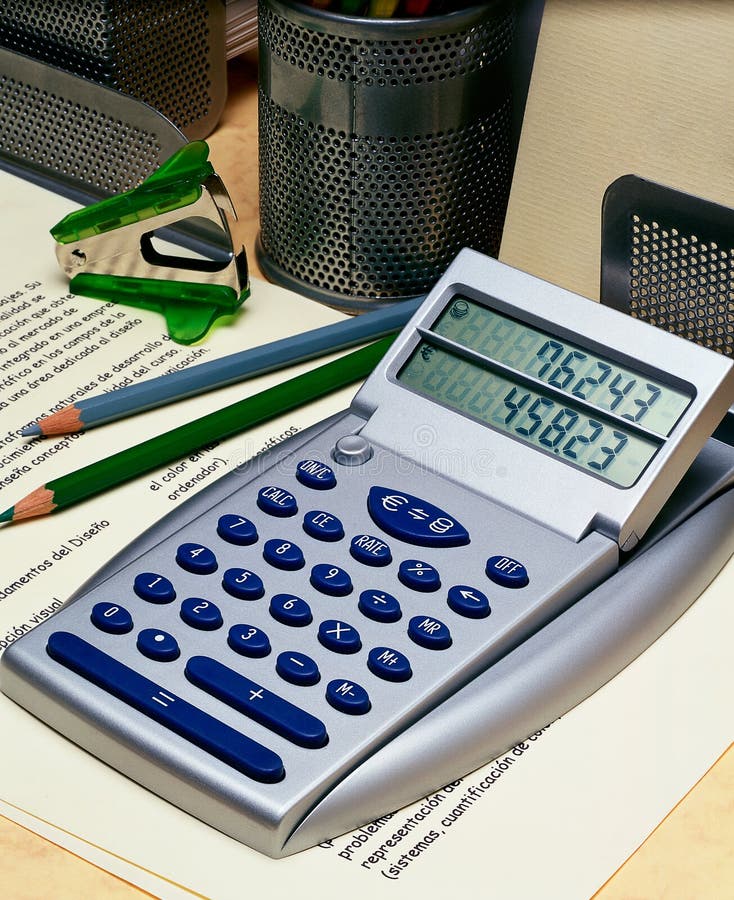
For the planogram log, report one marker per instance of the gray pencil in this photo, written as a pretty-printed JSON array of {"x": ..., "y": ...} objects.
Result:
[{"x": 135, "y": 398}]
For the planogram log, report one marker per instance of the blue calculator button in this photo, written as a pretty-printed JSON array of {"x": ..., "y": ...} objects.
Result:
[
  {"x": 429, "y": 633},
  {"x": 331, "y": 580},
  {"x": 468, "y": 601},
  {"x": 379, "y": 606},
  {"x": 256, "y": 702},
  {"x": 339, "y": 637},
  {"x": 389, "y": 664},
  {"x": 164, "y": 707},
  {"x": 111, "y": 618},
  {"x": 248, "y": 641},
  {"x": 196, "y": 558},
  {"x": 154, "y": 588},
  {"x": 323, "y": 526},
  {"x": 419, "y": 576},
  {"x": 370, "y": 550},
  {"x": 202, "y": 614},
  {"x": 348, "y": 697},
  {"x": 276, "y": 501},
  {"x": 414, "y": 520},
  {"x": 290, "y": 610},
  {"x": 314, "y": 474},
  {"x": 158, "y": 645},
  {"x": 237, "y": 530},
  {"x": 243, "y": 584},
  {"x": 283, "y": 555},
  {"x": 297, "y": 668},
  {"x": 506, "y": 571}
]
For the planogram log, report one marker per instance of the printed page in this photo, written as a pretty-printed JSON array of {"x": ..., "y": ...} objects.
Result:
[
  {"x": 553, "y": 817},
  {"x": 56, "y": 348}
]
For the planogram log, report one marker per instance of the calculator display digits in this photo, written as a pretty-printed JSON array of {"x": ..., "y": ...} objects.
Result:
[
  {"x": 561, "y": 364},
  {"x": 588, "y": 411}
]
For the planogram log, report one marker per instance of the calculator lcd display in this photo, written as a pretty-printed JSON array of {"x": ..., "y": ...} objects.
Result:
[
  {"x": 535, "y": 415},
  {"x": 598, "y": 381}
]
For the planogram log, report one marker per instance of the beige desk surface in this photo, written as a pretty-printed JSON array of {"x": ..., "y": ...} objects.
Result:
[{"x": 690, "y": 856}]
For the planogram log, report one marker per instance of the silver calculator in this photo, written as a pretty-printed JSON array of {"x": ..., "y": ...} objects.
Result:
[{"x": 390, "y": 599}]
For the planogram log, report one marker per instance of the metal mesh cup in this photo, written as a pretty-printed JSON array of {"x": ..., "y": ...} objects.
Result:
[{"x": 385, "y": 147}]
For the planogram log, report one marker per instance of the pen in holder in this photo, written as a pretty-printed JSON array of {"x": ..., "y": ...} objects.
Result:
[{"x": 385, "y": 147}]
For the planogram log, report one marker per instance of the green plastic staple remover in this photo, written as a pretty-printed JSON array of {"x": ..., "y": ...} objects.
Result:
[{"x": 108, "y": 249}]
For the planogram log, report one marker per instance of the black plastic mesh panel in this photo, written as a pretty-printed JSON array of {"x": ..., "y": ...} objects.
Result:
[{"x": 682, "y": 283}]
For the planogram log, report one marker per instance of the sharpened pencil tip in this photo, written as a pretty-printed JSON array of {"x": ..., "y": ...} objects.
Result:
[
  {"x": 33, "y": 430},
  {"x": 7, "y": 516}
]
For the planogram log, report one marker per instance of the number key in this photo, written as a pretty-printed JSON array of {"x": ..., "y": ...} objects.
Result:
[
  {"x": 248, "y": 641},
  {"x": 154, "y": 588},
  {"x": 243, "y": 584},
  {"x": 331, "y": 580},
  {"x": 283, "y": 555},
  {"x": 290, "y": 610},
  {"x": 112, "y": 618},
  {"x": 237, "y": 530},
  {"x": 196, "y": 558},
  {"x": 201, "y": 614}
]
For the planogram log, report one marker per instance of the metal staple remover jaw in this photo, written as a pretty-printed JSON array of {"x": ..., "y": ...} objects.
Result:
[{"x": 108, "y": 249}]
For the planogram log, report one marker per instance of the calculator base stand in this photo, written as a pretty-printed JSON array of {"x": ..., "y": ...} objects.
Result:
[{"x": 549, "y": 674}]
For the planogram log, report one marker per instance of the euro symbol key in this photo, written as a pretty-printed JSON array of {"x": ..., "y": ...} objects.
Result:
[{"x": 393, "y": 502}]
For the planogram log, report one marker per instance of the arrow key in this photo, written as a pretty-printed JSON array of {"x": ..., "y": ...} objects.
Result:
[{"x": 468, "y": 601}]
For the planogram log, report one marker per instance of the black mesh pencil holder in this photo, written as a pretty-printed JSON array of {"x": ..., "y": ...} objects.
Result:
[{"x": 385, "y": 147}]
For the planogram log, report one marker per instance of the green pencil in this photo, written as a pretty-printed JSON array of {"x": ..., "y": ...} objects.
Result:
[{"x": 172, "y": 445}]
